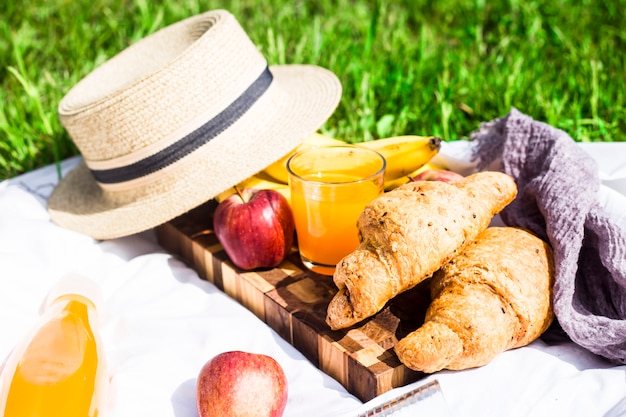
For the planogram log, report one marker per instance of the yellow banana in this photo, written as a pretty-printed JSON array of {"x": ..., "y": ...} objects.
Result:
[
  {"x": 278, "y": 170},
  {"x": 260, "y": 181},
  {"x": 404, "y": 154}
]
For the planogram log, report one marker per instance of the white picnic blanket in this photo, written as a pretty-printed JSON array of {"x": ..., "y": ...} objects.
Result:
[{"x": 161, "y": 322}]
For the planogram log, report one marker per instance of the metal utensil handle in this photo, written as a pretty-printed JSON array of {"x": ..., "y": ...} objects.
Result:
[{"x": 418, "y": 394}]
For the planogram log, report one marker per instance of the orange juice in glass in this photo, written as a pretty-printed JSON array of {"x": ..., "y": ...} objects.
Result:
[{"x": 330, "y": 187}]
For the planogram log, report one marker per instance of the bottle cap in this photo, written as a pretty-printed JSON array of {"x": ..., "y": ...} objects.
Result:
[{"x": 75, "y": 284}]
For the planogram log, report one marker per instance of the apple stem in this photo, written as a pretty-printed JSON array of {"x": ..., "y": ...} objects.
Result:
[{"x": 238, "y": 191}]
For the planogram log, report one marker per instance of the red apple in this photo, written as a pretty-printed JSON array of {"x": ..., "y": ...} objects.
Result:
[
  {"x": 255, "y": 227},
  {"x": 241, "y": 384},
  {"x": 437, "y": 175}
]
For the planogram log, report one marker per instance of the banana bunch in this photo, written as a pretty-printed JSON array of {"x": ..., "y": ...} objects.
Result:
[{"x": 405, "y": 156}]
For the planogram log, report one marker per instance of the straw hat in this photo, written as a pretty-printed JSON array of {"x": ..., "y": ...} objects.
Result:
[{"x": 177, "y": 118}]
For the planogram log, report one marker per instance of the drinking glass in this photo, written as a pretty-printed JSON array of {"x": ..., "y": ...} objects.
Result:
[{"x": 330, "y": 186}]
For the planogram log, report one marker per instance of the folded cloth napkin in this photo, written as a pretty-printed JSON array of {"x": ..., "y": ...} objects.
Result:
[{"x": 557, "y": 199}]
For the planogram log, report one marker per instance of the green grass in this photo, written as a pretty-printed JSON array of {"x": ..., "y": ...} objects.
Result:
[{"x": 407, "y": 67}]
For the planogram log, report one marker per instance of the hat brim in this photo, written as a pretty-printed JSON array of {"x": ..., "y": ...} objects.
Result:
[{"x": 308, "y": 97}]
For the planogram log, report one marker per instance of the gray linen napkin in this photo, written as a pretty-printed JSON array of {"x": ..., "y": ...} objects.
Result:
[{"x": 557, "y": 200}]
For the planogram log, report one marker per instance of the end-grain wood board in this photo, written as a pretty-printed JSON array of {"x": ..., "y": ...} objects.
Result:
[{"x": 293, "y": 302}]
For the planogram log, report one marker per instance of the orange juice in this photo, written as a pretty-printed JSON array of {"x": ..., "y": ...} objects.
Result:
[
  {"x": 58, "y": 371},
  {"x": 327, "y": 197}
]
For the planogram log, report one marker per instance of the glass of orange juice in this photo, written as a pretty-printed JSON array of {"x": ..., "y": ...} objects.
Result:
[{"x": 330, "y": 186}]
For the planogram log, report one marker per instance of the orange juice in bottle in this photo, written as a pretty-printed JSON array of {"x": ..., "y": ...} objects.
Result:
[{"x": 58, "y": 369}]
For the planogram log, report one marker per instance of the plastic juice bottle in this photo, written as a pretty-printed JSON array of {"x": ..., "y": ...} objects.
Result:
[{"x": 58, "y": 369}]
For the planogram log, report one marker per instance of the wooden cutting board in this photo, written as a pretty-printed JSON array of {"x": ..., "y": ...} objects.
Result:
[{"x": 293, "y": 302}]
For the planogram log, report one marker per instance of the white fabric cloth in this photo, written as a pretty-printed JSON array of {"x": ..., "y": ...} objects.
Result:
[{"x": 160, "y": 322}]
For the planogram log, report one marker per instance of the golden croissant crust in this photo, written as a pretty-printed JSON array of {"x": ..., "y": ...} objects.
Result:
[
  {"x": 409, "y": 233},
  {"x": 493, "y": 296}
]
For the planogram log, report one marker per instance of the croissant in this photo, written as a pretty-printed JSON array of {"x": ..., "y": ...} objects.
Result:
[
  {"x": 407, "y": 234},
  {"x": 493, "y": 296}
]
